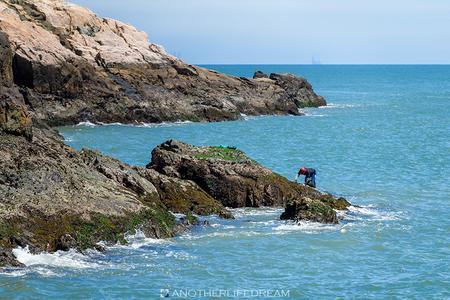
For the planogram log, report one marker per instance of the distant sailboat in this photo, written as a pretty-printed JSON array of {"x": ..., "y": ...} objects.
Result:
[{"x": 315, "y": 61}]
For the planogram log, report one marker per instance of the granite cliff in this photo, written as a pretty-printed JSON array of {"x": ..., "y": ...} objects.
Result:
[{"x": 70, "y": 65}]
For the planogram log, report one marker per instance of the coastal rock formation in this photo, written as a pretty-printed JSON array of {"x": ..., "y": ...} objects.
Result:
[
  {"x": 236, "y": 180},
  {"x": 56, "y": 198},
  {"x": 62, "y": 64},
  {"x": 307, "y": 209},
  {"x": 70, "y": 65}
]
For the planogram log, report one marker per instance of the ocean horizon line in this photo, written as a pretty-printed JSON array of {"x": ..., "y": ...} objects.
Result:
[{"x": 309, "y": 64}]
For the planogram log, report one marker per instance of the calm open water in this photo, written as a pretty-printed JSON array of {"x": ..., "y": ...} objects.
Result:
[{"x": 383, "y": 142}]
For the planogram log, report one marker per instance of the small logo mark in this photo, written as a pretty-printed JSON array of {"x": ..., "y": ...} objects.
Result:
[{"x": 164, "y": 293}]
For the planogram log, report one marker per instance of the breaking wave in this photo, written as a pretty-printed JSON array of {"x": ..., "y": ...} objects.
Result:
[
  {"x": 139, "y": 240},
  {"x": 370, "y": 213},
  {"x": 62, "y": 259},
  {"x": 86, "y": 124},
  {"x": 261, "y": 211}
]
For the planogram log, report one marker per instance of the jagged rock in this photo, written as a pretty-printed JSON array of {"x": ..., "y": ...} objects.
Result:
[
  {"x": 66, "y": 242},
  {"x": 179, "y": 196},
  {"x": 298, "y": 90},
  {"x": 15, "y": 119},
  {"x": 260, "y": 74},
  {"x": 7, "y": 259},
  {"x": 48, "y": 193},
  {"x": 307, "y": 209},
  {"x": 72, "y": 66},
  {"x": 230, "y": 176}
]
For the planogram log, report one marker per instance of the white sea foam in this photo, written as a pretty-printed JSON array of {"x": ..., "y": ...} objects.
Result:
[
  {"x": 315, "y": 115},
  {"x": 369, "y": 213},
  {"x": 338, "y": 106},
  {"x": 180, "y": 255},
  {"x": 248, "y": 118},
  {"x": 63, "y": 259},
  {"x": 111, "y": 124},
  {"x": 261, "y": 211},
  {"x": 16, "y": 272},
  {"x": 86, "y": 124},
  {"x": 264, "y": 223},
  {"x": 306, "y": 227},
  {"x": 138, "y": 240},
  {"x": 142, "y": 124},
  {"x": 162, "y": 124}
]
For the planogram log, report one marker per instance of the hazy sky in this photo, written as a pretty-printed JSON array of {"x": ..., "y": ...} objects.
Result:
[{"x": 291, "y": 31}]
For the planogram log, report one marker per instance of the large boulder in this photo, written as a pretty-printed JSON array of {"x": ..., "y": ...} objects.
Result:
[
  {"x": 298, "y": 89},
  {"x": 307, "y": 209}
]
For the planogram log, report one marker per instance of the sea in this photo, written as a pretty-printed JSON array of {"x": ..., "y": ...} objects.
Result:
[{"x": 382, "y": 142}]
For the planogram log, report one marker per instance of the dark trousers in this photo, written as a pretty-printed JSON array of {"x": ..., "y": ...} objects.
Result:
[{"x": 311, "y": 180}]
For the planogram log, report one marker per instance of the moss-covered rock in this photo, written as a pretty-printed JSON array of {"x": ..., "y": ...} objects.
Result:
[
  {"x": 336, "y": 203},
  {"x": 306, "y": 209},
  {"x": 223, "y": 152},
  {"x": 184, "y": 196}
]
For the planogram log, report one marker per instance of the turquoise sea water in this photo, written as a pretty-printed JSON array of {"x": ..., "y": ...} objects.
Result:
[{"x": 383, "y": 142}]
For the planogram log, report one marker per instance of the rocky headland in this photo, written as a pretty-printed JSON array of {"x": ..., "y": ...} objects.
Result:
[
  {"x": 61, "y": 64},
  {"x": 69, "y": 65}
]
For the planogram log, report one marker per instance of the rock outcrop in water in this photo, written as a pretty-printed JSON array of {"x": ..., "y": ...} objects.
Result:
[
  {"x": 236, "y": 180},
  {"x": 69, "y": 65}
]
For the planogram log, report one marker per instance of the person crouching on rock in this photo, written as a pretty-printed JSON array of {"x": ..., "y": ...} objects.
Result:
[{"x": 310, "y": 176}]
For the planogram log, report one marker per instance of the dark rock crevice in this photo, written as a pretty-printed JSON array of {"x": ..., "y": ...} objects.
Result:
[{"x": 22, "y": 71}]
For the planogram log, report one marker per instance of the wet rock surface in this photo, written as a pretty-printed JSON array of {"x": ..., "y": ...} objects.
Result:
[{"x": 307, "y": 209}]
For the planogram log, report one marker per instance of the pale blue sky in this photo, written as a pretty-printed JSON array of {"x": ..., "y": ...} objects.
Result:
[{"x": 291, "y": 31}]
